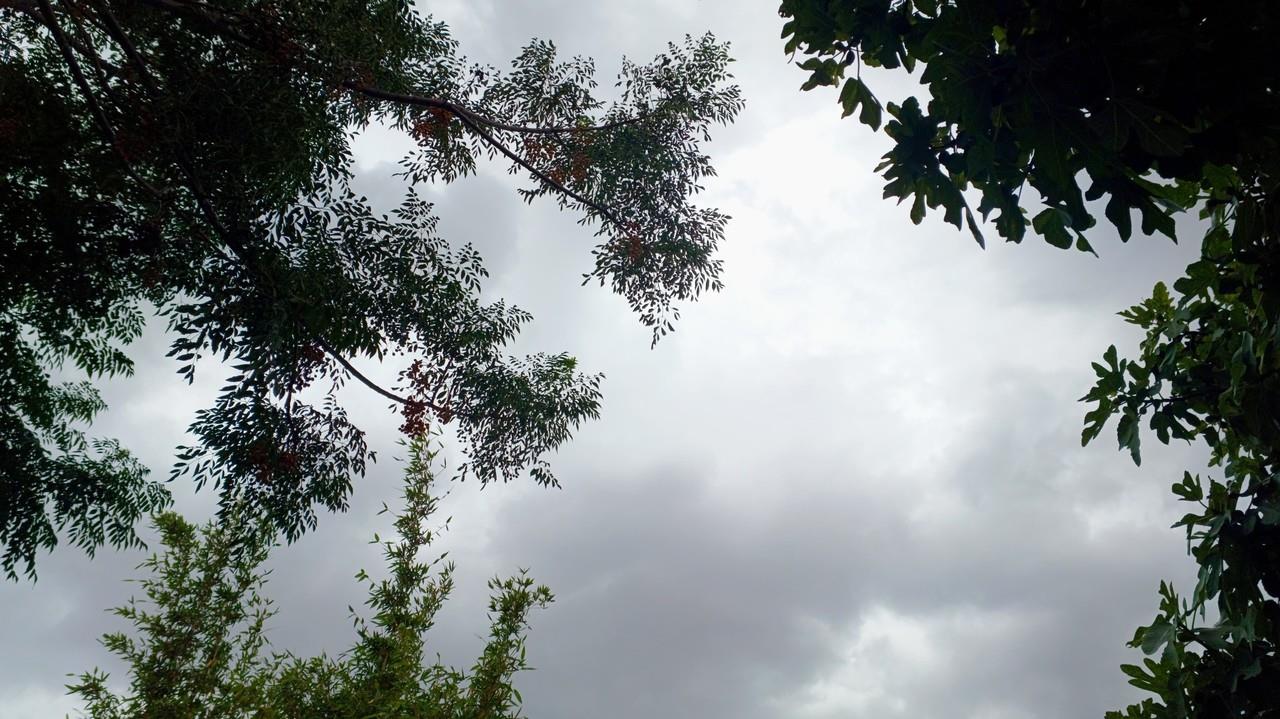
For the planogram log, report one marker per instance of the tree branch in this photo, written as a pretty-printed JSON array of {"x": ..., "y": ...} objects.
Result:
[
  {"x": 488, "y": 137},
  {"x": 100, "y": 117},
  {"x": 104, "y": 125},
  {"x": 356, "y": 373},
  {"x": 32, "y": 10},
  {"x": 238, "y": 248},
  {"x": 117, "y": 33},
  {"x": 463, "y": 111}
]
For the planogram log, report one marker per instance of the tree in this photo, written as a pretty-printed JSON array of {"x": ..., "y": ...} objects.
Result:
[
  {"x": 1154, "y": 108},
  {"x": 194, "y": 156},
  {"x": 197, "y": 643}
]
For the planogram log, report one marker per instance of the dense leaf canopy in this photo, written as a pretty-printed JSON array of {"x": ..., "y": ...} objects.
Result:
[
  {"x": 1151, "y": 108},
  {"x": 1081, "y": 101},
  {"x": 194, "y": 157}
]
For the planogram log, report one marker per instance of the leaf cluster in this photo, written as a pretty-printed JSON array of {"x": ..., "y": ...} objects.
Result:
[
  {"x": 1122, "y": 102},
  {"x": 1207, "y": 370}
]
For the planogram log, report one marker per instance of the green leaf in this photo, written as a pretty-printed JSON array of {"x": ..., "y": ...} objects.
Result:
[
  {"x": 1214, "y": 638},
  {"x": 918, "y": 209},
  {"x": 854, "y": 93},
  {"x": 1051, "y": 224},
  {"x": 1127, "y": 434},
  {"x": 973, "y": 228},
  {"x": 1156, "y": 636}
]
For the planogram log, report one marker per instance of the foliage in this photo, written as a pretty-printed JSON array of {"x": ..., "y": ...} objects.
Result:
[
  {"x": 1160, "y": 108},
  {"x": 194, "y": 156},
  {"x": 1207, "y": 369},
  {"x": 1043, "y": 94},
  {"x": 197, "y": 649}
]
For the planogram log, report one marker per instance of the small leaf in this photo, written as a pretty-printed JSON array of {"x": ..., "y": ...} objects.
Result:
[{"x": 1156, "y": 636}]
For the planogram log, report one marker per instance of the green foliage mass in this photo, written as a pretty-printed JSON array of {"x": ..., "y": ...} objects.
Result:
[
  {"x": 194, "y": 157},
  {"x": 197, "y": 648},
  {"x": 1155, "y": 108},
  {"x": 1080, "y": 101}
]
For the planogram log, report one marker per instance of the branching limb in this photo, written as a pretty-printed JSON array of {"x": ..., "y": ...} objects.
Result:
[{"x": 479, "y": 124}]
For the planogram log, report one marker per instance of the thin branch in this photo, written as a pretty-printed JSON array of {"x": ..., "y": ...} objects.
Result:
[
  {"x": 117, "y": 33},
  {"x": 346, "y": 364},
  {"x": 238, "y": 248},
  {"x": 462, "y": 111},
  {"x": 607, "y": 213},
  {"x": 220, "y": 21},
  {"x": 103, "y": 70},
  {"x": 1159, "y": 401},
  {"x": 246, "y": 258},
  {"x": 68, "y": 54},
  {"x": 356, "y": 373}
]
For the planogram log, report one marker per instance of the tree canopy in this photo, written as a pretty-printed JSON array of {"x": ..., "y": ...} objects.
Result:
[
  {"x": 194, "y": 156},
  {"x": 1109, "y": 109},
  {"x": 1135, "y": 96}
]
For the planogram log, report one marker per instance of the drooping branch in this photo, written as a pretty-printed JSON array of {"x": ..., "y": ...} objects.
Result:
[{"x": 488, "y": 137}]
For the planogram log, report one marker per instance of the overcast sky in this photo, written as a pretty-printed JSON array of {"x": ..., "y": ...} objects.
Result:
[{"x": 849, "y": 485}]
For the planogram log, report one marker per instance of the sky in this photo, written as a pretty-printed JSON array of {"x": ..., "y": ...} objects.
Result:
[{"x": 849, "y": 485}]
